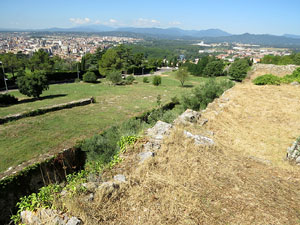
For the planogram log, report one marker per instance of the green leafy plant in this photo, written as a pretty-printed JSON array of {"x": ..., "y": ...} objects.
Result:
[
  {"x": 145, "y": 80},
  {"x": 156, "y": 80},
  {"x": 89, "y": 77},
  {"x": 130, "y": 79},
  {"x": 33, "y": 84},
  {"x": 267, "y": 79},
  {"x": 205, "y": 93},
  {"x": 115, "y": 77},
  {"x": 8, "y": 99},
  {"x": 43, "y": 199}
]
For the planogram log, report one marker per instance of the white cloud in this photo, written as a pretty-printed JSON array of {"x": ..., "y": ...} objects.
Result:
[
  {"x": 80, "y": 20},
  {"x": 113, "y": 21},
  {"x": 175, "y": 23},
  {"x": 141, "y": 22}
]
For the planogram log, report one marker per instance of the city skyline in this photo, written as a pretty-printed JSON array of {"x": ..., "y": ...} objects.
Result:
[{"x": 260, "y": 17}]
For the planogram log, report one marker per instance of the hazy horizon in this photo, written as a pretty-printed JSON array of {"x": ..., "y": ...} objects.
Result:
[{"x": 275, "y": 17}]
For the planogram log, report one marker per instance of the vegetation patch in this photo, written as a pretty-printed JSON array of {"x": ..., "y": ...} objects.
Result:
[
  {"x": 269, "y": 79},
  {"x": 7, "y": 99}
]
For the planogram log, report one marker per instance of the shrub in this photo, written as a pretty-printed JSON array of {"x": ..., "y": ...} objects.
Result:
[
  {"x": 267, "y": 79},
  {"x": 115, "y": 77},
  {"x": 7, "y": 99},
  {"x": 213, "y": 69},
  {"x": 33, "y": 84},
  {"x": 205, "y": 94},
  {"x": 156, "y": 80},
  {"x": 145, "y": 80},
  {"x": 89, "y": 77},
  {"x": 238, "y": 70},
  {"x": 77, "y": 80},
  {"x": 130, "y": 79}
]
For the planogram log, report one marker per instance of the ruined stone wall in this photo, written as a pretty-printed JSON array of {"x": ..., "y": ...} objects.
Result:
[{"x": 261, "y": 69}]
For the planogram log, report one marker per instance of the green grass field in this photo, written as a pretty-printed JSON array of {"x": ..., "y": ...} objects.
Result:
[{"x": 27, "y": 138}]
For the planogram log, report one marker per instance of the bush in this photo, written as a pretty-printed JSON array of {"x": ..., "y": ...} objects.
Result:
[
  {"x": 213, "y": 69},
  {"x": 77, "y": 80},
  {"x": 130, "y": 79},
  {"x": 7, "y": 99},
  {"x": 115, "y": 77},
  {"x": 238, "y": 70},
  {"x": 205, "y": 94},
  {"x": 33, "y": 84},
  {"x": 89, "y": 77},
  {"x": 267, "y": 79},
  {"x": 156, "y": 80},
  {"x": 145, "y": 80}
]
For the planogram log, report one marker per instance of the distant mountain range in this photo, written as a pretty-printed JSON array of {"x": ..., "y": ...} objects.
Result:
[{"x": 209, "y": 35}]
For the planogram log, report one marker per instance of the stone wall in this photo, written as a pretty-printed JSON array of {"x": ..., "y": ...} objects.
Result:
[
  {"x": 44, "y": 110},
  {"x": 31, "y": 179},
  {"x": 277, "y": 70}
]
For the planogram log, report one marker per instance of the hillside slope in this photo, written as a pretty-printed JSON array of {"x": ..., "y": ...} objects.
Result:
[{"x": 243, "y": 179}]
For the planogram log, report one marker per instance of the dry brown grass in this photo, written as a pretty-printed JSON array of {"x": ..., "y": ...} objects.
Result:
[
  {"x": 260, "y": 121},
  {"x": 230, "y": 183},
  {"x": 186, "y": 184}
]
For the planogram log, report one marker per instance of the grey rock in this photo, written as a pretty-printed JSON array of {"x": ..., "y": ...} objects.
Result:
[
  {"x": 145, "y": 155},
  {"x": 295, "y": 83},
  {"x": 92, "y": 177},
  {"x": 202, "y": 122},
  {"x": 90, "y": 186},
  {"x": 199, "y": 140},
  {"x": 298, "y": 160},
  {"x": 74, "y": 221},
  {"x": 188, "y": 117},
  {"x": 120, "y": 178},
  {"x": 28, "y": 217},
  {"x": 159, "y": 130}
]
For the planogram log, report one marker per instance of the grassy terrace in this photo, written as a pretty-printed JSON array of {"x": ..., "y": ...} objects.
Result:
[{"x": 27, "y": 138}]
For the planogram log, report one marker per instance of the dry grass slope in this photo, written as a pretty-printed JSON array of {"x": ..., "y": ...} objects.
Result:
[{"x": 241, "y": 180}]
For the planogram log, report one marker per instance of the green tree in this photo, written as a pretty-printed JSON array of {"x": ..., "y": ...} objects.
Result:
[
  {"x": 297, "y": 59},
  {"x": 115, "y": 77},
  {"x": 110, "y": 61},
  {"x": 33, "y": 84},
  {"x": 182, "y": 75},
  {"x": 214, "y": 69},
  {"x": 238, "y": 69},
  {"x": 40, "y": 61},
  {"x": 11, "y": 62}
]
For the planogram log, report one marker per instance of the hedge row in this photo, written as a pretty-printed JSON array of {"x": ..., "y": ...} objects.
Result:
[{"x": 52, "y": 77}]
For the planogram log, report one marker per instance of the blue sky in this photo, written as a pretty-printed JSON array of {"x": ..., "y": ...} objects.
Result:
[{"x": 234, "y": 16}]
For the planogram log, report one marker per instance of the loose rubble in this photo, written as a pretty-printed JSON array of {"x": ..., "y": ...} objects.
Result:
[{"x": 293, "y": 152}]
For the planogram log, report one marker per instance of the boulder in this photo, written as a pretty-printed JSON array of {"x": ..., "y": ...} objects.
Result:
[
  {"x": 159, "y": 130},
  {"x": 295, "y": 83},
  {"x": 188, "y": 117},
  {"x": 74, "y": 221}
]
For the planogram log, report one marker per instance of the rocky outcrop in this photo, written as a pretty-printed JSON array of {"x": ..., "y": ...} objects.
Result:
[
  {"x": 188, "y": 117},
  {"x": 48, "y": 216},
  {"x": 293, "y": 152},
  {"x": 277, "y": 70}
]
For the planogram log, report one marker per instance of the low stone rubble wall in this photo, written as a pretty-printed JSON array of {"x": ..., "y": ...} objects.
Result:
[{"x": 44, "y": 110}]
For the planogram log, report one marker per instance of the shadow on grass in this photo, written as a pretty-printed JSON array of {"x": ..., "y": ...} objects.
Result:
[
  {"x": 41, "y": 98},
  {"x": 188, "y": 86}
]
